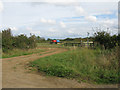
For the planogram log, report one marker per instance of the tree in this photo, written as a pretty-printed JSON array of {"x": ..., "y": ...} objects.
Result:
[
  {"x": 7, "y": 40},
  {"x": 32, "y": 41},
  {"x": 105, "y": 40},
  {"x": 118, "y": 40},
  {"x": 10, "y": 42},
  {"x": 49, "y": 39}
]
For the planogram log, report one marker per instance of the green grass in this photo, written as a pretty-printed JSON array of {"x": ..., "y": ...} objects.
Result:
[
  {"x": 46, "y": 45},
  {"x": 83, "y": 64},
  {"x": 19, "y": 52}
]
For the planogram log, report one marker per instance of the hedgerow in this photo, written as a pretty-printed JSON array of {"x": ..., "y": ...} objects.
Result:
[{"x": 10, "y": 42}]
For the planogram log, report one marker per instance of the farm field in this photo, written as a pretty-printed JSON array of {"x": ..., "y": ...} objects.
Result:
[{"x": 60, "y": 62}]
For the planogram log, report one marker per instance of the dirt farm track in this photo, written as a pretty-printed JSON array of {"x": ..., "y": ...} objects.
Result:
[{"x": 15, "y": 74}]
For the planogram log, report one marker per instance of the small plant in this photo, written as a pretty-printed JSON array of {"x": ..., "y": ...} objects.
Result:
[
  {"x": 14, "y": 67},
  {"x": 59, "y": 71}
]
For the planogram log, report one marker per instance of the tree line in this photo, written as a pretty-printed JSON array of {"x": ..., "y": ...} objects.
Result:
[
  {"x": 101, "y": 39},
  {"x": 10, "y": 42}
]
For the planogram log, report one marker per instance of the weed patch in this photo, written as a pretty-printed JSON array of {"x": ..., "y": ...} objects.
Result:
[{"x": 82, "y": 64}]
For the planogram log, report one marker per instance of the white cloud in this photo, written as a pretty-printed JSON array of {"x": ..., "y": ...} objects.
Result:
[
  {"x": 108, "y": 22},
  {"x": 62, "y": 24},
  {"x": 57, "y": 1},
  {"x": 60, "y": 2},
  {"x": 71, "y": 30},
  {"x": 1, "y": 6},
  {"x": 107, "y": 12},
  {"x": 80, "y": 10},
  {"x": 43, "y": 20},
  {"x": 14, "y": 28},
  {"x": 103, "y": 12},
  {"x": 29, "y": 28},
  {"x": 52, "y": 30},
  {"x": 35, "y": 32},
  {"x": 91, "y": 18},
  {"x": 49, "y": 21},
  {"x": 116, "y": 14}
]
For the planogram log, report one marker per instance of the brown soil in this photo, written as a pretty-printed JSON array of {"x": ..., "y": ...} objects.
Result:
[{"x": 15, "y": 74}]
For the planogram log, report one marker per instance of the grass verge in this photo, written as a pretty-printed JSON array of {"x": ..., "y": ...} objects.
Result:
[
  {"x": 20, "y": 52},
  {"x": 83, "y": 64}
]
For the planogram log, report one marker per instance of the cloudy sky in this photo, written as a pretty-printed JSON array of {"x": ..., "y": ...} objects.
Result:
[{"x": 58, "y": 18}]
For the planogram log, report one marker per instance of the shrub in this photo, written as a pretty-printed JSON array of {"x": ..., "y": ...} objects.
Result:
[
  {"x": 105, "y": 40},
  {"x": 10, "y": 42}
]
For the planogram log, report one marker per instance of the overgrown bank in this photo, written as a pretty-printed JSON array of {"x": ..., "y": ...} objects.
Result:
[{"x": 83, "y": 64}]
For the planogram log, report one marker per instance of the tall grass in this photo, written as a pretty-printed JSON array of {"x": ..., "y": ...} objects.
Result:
[
  {"x": 46, "y": 45},
  {"x": 82, "y": 64},
  {"x": 20, "y": 52}
]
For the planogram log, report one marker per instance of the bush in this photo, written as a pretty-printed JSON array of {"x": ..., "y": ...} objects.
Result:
[
  {"x": 105, "y": 40},
  {"x": 9, "y": 42}
]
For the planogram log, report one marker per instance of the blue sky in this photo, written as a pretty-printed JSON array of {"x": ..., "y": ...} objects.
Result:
[{"x": 59, "y": 19}]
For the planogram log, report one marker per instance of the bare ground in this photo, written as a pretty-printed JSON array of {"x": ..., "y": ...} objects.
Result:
[{"x": 15, "y": 74}]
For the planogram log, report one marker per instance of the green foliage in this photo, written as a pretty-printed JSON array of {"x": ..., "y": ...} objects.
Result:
[
  {"x": 40, "y": 39},
  {"x": 0, "y": 40},
  {"x": 59, "y": 71},
  {"x": 118, "y": 39},
  {"x": 49, "y": 39},
  {"x": 105, "y": 40},
  {"x": 20, "y": 52},
  {"x": 82, "y": 64},
  {"x": 9, "y": 42}
]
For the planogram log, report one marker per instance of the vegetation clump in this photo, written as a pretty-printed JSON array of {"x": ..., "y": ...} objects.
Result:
[
  {"x": 105, "y": 40},
  {"x": 82, "y": 64},
  {"x": 10, "y": 42}
]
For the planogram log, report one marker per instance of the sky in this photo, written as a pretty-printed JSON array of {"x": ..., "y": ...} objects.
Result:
[{"x": 59, "y": 19}]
